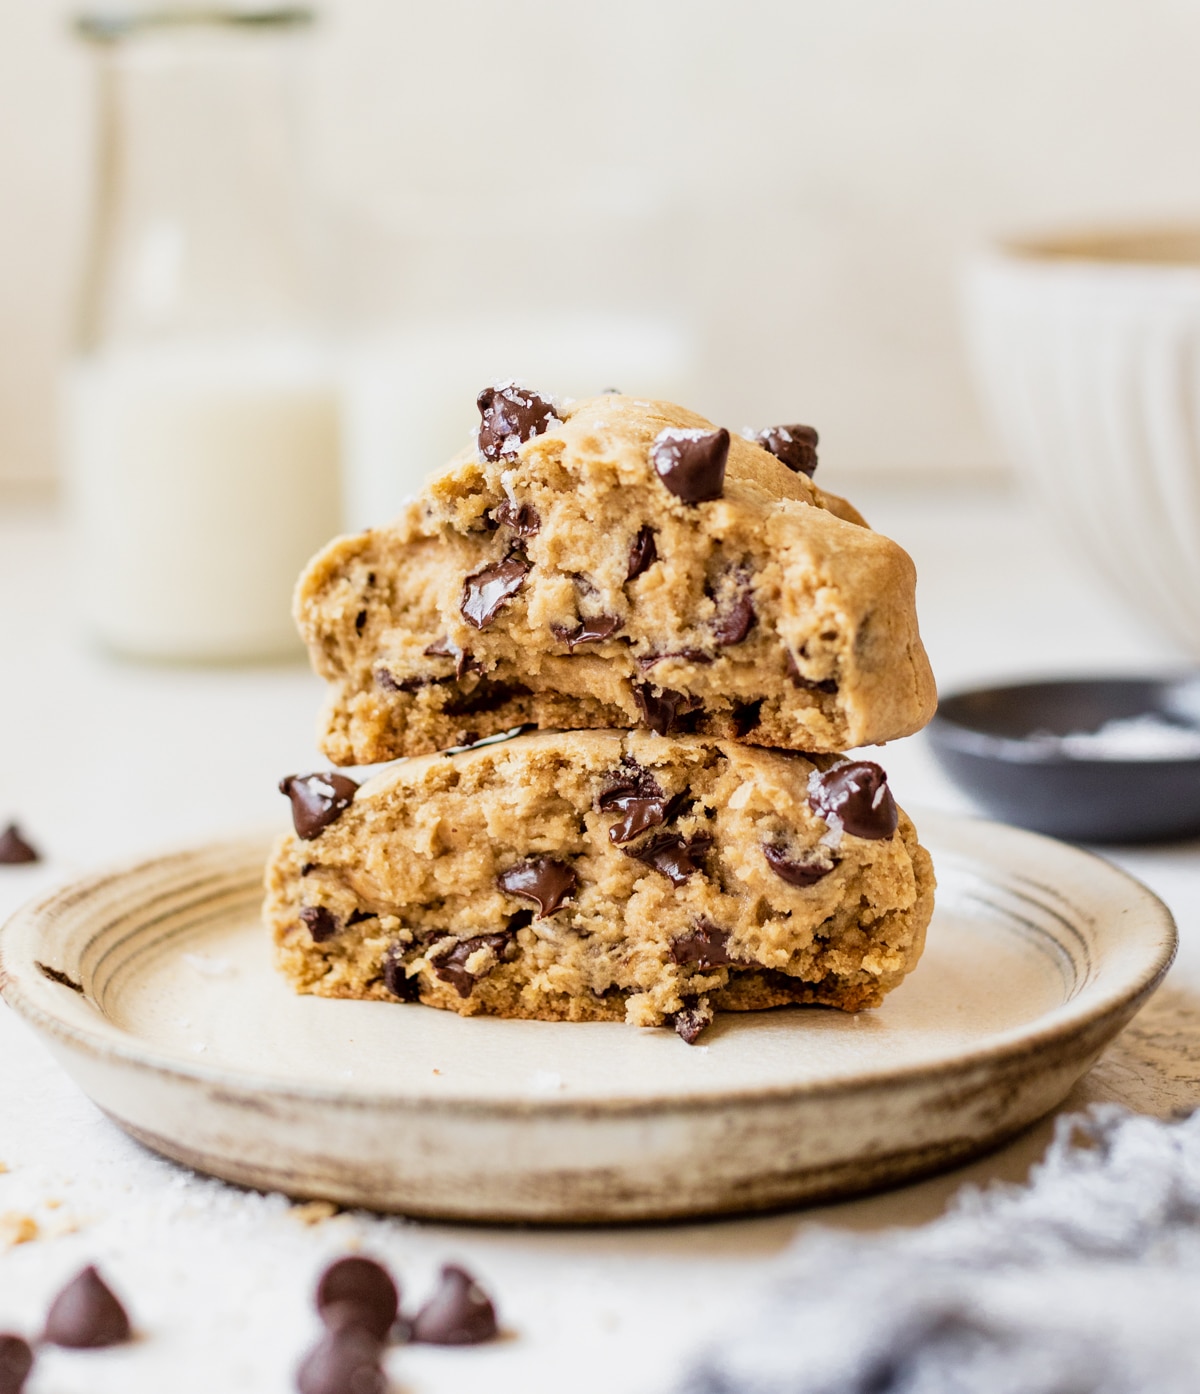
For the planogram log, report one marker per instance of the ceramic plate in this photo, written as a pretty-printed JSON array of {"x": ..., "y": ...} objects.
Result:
[{"x": 153, "y": 985}]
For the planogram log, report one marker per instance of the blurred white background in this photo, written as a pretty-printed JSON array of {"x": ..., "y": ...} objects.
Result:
[{"x": 791, "y": 183}]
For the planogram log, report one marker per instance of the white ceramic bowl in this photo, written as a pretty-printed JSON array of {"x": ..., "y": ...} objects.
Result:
[{"x": 1088, "y": 353}]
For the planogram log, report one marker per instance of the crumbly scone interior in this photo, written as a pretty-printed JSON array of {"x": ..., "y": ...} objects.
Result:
[
  {"x": 406, "y": 881},
  {"x": 765, "y": 614}
]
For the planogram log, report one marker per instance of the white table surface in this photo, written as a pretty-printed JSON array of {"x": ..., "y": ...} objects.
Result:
[{"x": 103, "y": 759}]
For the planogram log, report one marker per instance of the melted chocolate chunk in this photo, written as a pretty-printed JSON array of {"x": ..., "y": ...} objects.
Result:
[
  {"x": 459, "y": 1313},
  {"x": 643, "y": 554},
  {"x": 590, "y": 631},
  {"x": 857, "y": 793},
  {"x": 633, "y": 791},
  {"x": 365, "y": 1285},
  {"x": 343, "y": 1362},
  {"x": 804, "y": 869},
  {"x": 691, "y": 463},
  {"x": 447, "y": 648},
  {"x": 388, "y": 681},
  {"x": 16, "y": 1361},
  {"x": 322, "y": 923},
  {"x": 676, "y": 856},
  {"x": 526, "y": 521},
  {"x": 794, "y": 446},
  {"x": 660, "y": 710},
  {"x": 799, "y": 680},
  {"x": 86, "y": 1315},
  {"x": 706, "y": 946},
  {"x": 746, "y": 716},
  {"x": 548, "y": 883},
  {"x": 735, "y": 621},
  {"x": 358, "y": 916},
  {"x": 487, "y": 696},
  {"x": 692, "y": 1020},
  {"x": 509, "y": 416},
  {"x": 14, "y": 850},
  {"x": 450, "y": 966},
  {"x": 648, "y": 660},
  {"x": 397, "y": 982},
  {"x": 486, "y": 592},
  {"x": 317, "y": 801}
]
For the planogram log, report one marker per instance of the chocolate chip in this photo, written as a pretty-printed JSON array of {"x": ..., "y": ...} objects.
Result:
[
  {"x": 589, "y": 631},
  {"x": 706, "y": 946},
  {"x": 648, "y": 660},
  {"x": 510, "y": 415},
  {"x": 794, "y": 446},
  {"x": 390, "y": 683},
  {"x": 306, "y": 867},
  {"x": 548, "y": 883},
  {"x": 343, "y": 1362},
  {"x": 360, "y": 621},
  {"x": 737, "y": 618},
  {"x": 525, "y": 520},
  {"x": 364, "y": 1284},
  {"x": 459, "y": 1313},
  {"x": 643, "y": 554},
  {"x": 450, "y": 966},
  {"x": 358, "y": 916},
  {"x": 799, "y": 680},
  {"x": 486, "y": 592},
  {"x": 660, "y": 710},
  {"x": 857, "y": 794},
  {"x": 633, "y": 791},
  {"x": 676, "y": 856},
  {"x": 804, "y": 869},
  {"x": 746, "y": 716},
  {"x": 447, "y": 648},
  {"x": 16, "y": 1361},
  {"x": 322, "y": 923},
  {"x": 395, "y": 979},
  {"x": 691, "y": 463},
  {"x": 86, "y": 1315},
  {"x": 14, "y": 850},
  {"x": 486, "y": 696},
  {"x": 692, "y": 1020},
  {"x": 317, "y": 801}
]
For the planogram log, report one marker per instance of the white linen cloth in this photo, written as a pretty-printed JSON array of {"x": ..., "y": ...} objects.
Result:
[{"x": 1086, "y": 1281}]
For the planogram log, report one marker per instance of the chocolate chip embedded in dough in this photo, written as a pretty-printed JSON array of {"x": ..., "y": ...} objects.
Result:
[
  {"x": 857, "y": 794},
  {"x": 676, "y": 856},
  {"x": 524, "y": 520},
  {"x": 16, "y": 1361},
  {"x": 343, "y": 1362},
  {"x": 486, "y": 592},
  {"x": 509, "y": 416},
  {"x": 795, "y": 446},
  {"x": 317, "y": 800},
  {"x": 692, "y": 1019},
  {"x": 589, "y": 631},
  {"x": 737, "y": 618},
  {"x": 364, "y": 1284},
  {"x": 801, "y": 869},
  {"x": 828, "y": 685},
  {"x": 360, "y": 621},
  {"x": 447, "y": 648},
  {"x": 396, "y": 980},
  {"x": 706, "y": 946},
  {"x": 648, "y": 660},
  {"x": 14, "y": 849},
  {"x": 459, "y": 1313},
  {"x": 660, "y": 710},
  {"x": 86, "y": 1315},
  {"x": 486, "y": 696},
  {"x": 450, "y": 966},
  {"x": 322, "y": 923},
  {"x": 691, "y": 463},
  {"x": 746, "y": 716},
  {"x": 633, "y": 791},
  {"x": 548, "y": 883},
  {"x": 642, "y": 554}
]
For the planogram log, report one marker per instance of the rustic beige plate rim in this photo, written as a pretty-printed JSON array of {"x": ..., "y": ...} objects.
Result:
[{"x": 1153, "y": 935}]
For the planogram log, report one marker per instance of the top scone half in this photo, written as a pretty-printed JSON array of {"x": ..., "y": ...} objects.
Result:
[{"x": 616, "y": 563}]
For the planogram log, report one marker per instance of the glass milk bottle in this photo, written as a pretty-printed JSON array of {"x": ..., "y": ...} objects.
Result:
[{"x": 202, "y": 417}]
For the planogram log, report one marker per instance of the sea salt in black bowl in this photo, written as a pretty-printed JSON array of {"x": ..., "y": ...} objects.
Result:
[{"x": 1092, "y": 759}]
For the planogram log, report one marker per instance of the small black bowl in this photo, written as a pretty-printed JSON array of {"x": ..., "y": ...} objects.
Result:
[{"x": 997, "y": 744}]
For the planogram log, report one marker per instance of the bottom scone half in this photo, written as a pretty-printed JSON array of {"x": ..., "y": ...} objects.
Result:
[{"x": 602, "y": 875}]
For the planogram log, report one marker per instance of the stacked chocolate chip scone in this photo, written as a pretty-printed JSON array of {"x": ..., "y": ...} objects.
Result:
[{"x": 673, "y": 633}]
